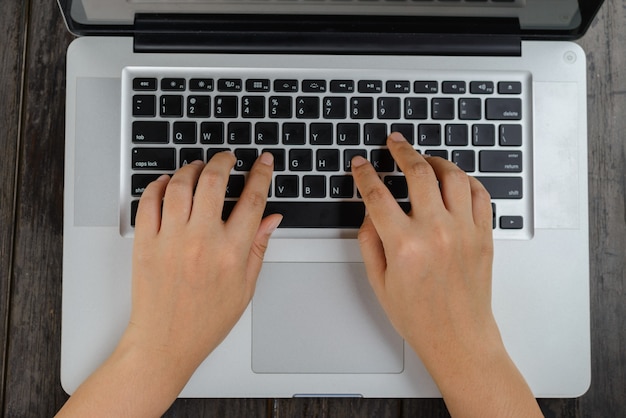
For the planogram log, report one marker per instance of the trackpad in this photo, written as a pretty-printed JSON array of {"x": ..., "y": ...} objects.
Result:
[{"x": 321, "y": 318}]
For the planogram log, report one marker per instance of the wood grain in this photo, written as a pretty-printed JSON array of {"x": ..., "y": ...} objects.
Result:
[{"x": 32, "y": 245}]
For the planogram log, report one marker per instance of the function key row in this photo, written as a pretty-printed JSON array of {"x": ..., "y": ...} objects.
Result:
[{"x": 323, "y": 86}]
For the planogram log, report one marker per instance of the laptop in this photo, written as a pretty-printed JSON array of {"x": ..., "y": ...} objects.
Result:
[{"x": 495, "y": 86}]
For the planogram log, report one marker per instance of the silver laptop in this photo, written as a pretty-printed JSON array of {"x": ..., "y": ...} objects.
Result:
[{"x": 495, "y": 86}]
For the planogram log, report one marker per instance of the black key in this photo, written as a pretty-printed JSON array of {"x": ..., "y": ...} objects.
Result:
[
  {"x": 470, "y": 109},
  {"x": 442, "y": 153},
  {"x": 327, "y": 160},
  {"x": 210, "y": 153},
  {"x": 235, "y": 185},
  {"x": 212, "y": 133},
  {"x": 370, "y": 86},
  {"x": 134, "y": 205},
  {"x": 144, "y": 105},
  {"x": 453, "y": 87},
  {"x": 481, "y": 87},
  {"x": 314, "y": 86},
  {"x": 280, "y": 107},
  {"x": 510, "y": 87},
  {"x": 293, "y": 133},
  {"x": 483, "y": 135},
  {"x": 279, "y": 158},
  {"x": 503, "y": 187},
  {"x": 173, "y": 84},
  {"x": 285, "y": 86},
  {"x": 341, "y": 186},
  {"x": 375, "y": 134},
  {"x": 342, "y": 86},
  {"x": 429, "y": 134},
  {"x": 442, "y": 108},
  {"x": 300, "y": 160},
  {"x": 362, "y": 108},
  {"x": 151, "y": 132},
  {"x": 501, "y": 161},
  {"x": 427, "y": 87},
  {"x": 266, "y": 133},
  {"x": 185, "y": 133},
  {"x": 401, "y": 86},
  {"x": 199, "y": 106},
  {"x": 511, "y": 135},
  {"x": 245, "y": 159},
  {"x": 161, "y": 159},
  {"x": 348, "y": 134},
  {"x": 139, "y": 182},
  {"x": 258, "y": 85},
  {"x": 308, "y": 107},
  {"x": 349, "y": 154},
  {"x": 226, "y": 106},
  {"x": 511, "y": 222},
  {"x": 388, "y": 108},
  {"x": 253, "y": 106},
  {"x": 382, "y": 160},
  {"x": 321, "y": 134},
  {"x": 397, "y": 186},
  {"x": 456, "y": 135},
  {"x": 201, "y": 84},
  {"x": 504, "y": 109},
  {"x": 229, "y": 84},
  {"x": 334, "y": 107},
  {"x": 314, "y": 186},
  {"x": 144, "y": 84},
  {"x": 465, "y": 159},
  {"x": 286, "y": 186},
  {"x": 172, "y": 106},
  {"x": 415, "y": 108},
  {"x": 406, "y": 129},
  {"x": 189, "y": 155},
  {"x": 239, "y": 133}
]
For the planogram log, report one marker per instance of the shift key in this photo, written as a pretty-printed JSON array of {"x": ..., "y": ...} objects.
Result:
[
  {"x": 153, "y": 159},
  {"x": 503, "y": 187}
]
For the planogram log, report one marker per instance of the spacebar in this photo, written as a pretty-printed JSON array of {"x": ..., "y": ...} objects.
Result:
[{"x": 315, "y": 214}]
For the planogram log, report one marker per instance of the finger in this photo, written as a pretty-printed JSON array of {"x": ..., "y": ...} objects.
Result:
[
  {"x": 424, "y": 193},
  {"x": 259, "y": 246},
  {"x": 211, "y": 188},
  {"x": 148, "y": 219},
  {"x": 383, "y": 209},
  {"x": 454, "y": 185},
  {"x": 373, "y": 255},
  {"x": 179, "y": 194},
  {"x": 247, "y": 213},
  {"x": 481, "y": 206}
]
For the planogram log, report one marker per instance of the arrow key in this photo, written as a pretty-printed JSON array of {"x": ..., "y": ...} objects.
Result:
[{"x": 511, "y": 222}]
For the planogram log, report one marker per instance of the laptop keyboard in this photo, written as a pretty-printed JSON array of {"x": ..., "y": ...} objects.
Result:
[{"x": 314, "y": 122}]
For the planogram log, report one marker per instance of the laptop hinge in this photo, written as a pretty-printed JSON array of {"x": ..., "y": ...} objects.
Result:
[{"x": 274, "y": 34}]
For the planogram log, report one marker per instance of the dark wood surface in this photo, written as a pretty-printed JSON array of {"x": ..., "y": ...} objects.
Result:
[{"x": 33, "y": 42}]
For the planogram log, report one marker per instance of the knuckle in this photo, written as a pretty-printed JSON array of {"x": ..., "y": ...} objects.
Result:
[
  {"x": 418, "y": 169},
  {"x": 375, "y": 193},
  {"x": 254, "y": 198}
]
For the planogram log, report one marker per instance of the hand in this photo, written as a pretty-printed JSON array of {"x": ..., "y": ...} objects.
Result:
[
  {"x": 193, "y": 274},
  {"x": 431, "y": 272}
]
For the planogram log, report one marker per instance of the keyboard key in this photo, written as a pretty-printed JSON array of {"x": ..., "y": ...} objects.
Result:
[
  {"x": 253, "y": 106},
  {"x": 199, "y": 106},
  {"x": 398, "y": 86},
  {"x": 210, "y": 153},
  {"x": 311, "y": 86},
  {"x": 185, "y": 133},
  {"x": 406, "y": 129},
  {"x": 308, "y": 107},
  {"x": 349, "y": 154},
  {"x": 429, "y": 134},
  {"x": 470, "y": 109},
  {"x": 321, "y": 134},
  {"x": 415, "y": 108},
  {"x": 151, "y": 132},
  {"x": 229, "y": 84},
  {"x": 481, "y": 87},
  {"x": 362, "y": 108},
  {"x": 161, "y": 159},
  {"x": 139, "y": 182},
  {"x": 239, "y": 133},
  {"x": 245, "y": 159},
  {"x": 382, "y": 160},
  {"x": 483, "y": 135},
  {"x": 334, "y": 107},
  {"x": 285, "y": 86},
  {"x": 510, "y": 87},
  {"x": 342, "y": 187},
  {"x": 286, "y": 186},
  {"x": 280, "y": 107},
  {"x": 266, "y": 133},
  {"x": 314, "y": 186},
  {"x": 453, "y": 87},
  {"x": 279, "y": 158},
  {"x": 442, "y": 108},
  {"x": 370, "y": 86},
  {"x": 342, "y": 86},
  {"x": 173, "y": 84},
  {"x": 258, "y": 85},
  {"x": 300, "y": 160},
  {"x": 426, "y": 87},
  {"x": 293, "y": 133},
  {"x": 226, "y": 106},
  {"x": 144, "y": 84},
  {"x": 456, "y": 135},
  {"x": 201, "y": 84},
  {"x": 327, "y": 160},
  {"x": 172, "y": 106},
  {"x": 212, "y": 133},
  {"x": 189, "y": 155},
  {"x": 511, "y": 222},
  {"x": 375, "y": 134},
  {"x": 442, "y": 153},
  {"x": 511, "y": 135},
  {"x": 348, "y": 134},
  {"x": 501, "y": 161},
  {"x": 465, "y": 159},
  {"x": 397, "y": 186},
  {"x": 144, "y": 105},
  {"x": 504, "y": 109},
  {"x": 503, "y": 187},
  {"x": 389, "y": 108}
]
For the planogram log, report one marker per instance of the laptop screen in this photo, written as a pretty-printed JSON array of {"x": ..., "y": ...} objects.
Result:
[{"x": 537, "y": 18}]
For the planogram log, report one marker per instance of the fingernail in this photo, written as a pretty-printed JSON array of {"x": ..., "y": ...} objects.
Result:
[
  {"x": 358, "y": 161},
  {"x": 267, "y": 158},
  {"x": 397, "y": 137},
  {"x": 197, "y": 162},
  {"x": 274, "y": 226}
]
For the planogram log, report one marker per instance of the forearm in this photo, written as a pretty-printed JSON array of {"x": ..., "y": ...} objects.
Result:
[{"x": 131, "y": 383}]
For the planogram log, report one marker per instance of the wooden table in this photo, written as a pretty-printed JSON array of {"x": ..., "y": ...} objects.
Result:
[{"x": 33, "y": 42}]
